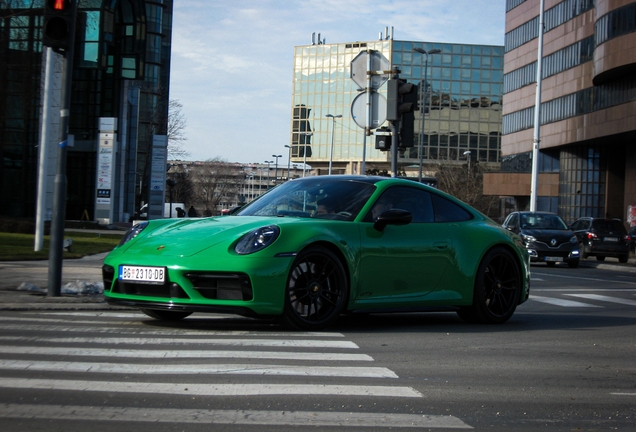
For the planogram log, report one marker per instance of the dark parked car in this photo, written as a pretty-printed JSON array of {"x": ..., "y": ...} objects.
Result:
[
  {"x": 547, "y": 238},
  {"x": 602, "y": 238}
]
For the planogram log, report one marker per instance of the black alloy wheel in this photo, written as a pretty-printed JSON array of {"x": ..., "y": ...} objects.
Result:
[
  {"x": 316, "y": 291},
  {"x": 166, "y": 315},
  {"x": 498, "y": 285}
]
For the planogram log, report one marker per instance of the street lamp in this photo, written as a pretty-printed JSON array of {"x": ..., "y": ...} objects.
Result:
[
  {"x": 333, "y": 129},
  {"x": 288, "y": 159},
  {"x": 276, "y": 170},
  {"x": 268, "y": 162},
  {"x": 422, "y": 107},
  {"x": 468, "y": 153},
  {"x": 306, "y": 134}
]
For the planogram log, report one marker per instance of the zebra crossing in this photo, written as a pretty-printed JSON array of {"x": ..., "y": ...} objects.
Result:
[
  {"x": 623, "y": 297},
  {"x": 114, "y": 353}
]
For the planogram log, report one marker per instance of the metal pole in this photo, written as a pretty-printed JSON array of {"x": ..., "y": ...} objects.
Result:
[
  {"x": 56, "y": 248},
  {"x": 333, "y": 129},
  {"x": 422, "y": 109},
  {"x": 534, "y": 186},
  {"x": 44, "y": 151},
  {"x": 367, "y": 129}
]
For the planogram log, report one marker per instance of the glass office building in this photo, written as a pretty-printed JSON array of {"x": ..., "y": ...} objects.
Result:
[
  {"x": 460, "y": 87},
  {"x": 121, "y": 71}
]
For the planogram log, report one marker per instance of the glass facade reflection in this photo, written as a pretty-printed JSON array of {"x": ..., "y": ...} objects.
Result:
[{"x": 460, "y": 87}]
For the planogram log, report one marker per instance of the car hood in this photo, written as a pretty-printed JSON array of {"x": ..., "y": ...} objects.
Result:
[
  {"x": 187, "y": 237},
  {"x": 545, "y": 235}
]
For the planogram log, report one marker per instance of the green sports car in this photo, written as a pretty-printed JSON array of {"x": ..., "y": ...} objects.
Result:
[{"x": 314, "y": 248}]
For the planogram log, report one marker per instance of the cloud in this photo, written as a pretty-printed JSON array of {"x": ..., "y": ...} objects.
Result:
[{"x": 232, "y": 61}]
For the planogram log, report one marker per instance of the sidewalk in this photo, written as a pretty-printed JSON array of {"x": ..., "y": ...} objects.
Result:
[{"x": 23, "y": 284}]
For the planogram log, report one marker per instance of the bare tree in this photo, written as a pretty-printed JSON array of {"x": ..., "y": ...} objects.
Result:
[
  {"x": 176, "y": 131},
  {"x": 216, "y": 181},
  {"x": 466, "y": 182}
]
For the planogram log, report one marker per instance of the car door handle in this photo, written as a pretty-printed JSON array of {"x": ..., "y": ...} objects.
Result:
[{"x": 441, "y": 245}]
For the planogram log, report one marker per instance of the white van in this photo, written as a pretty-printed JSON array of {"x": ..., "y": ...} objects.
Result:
[{"x": 143, "y": 211}]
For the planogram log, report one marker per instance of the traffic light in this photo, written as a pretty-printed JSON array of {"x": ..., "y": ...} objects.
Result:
[
  {"x": 402, "y": 100},
  {"x": 59, "y": 20},
  {"x": 382, "y": 139}
]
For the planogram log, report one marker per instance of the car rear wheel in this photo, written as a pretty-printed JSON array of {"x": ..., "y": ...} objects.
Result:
[
  {"x": 498, "y": 285},
  {"x": 316, "y": 290},
  {"x": 623, "y": 258},
  {"x": 600, "y": 258},
  {"x": 166, "y": 315}
]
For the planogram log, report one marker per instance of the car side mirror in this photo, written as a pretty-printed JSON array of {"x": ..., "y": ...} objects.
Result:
[{"x": 393, "y": 217}]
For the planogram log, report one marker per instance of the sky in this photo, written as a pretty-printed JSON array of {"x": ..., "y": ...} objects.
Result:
[{"x": 232, "y": 59}]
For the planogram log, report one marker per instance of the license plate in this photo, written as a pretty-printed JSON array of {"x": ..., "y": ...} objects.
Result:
[
  {"x": 150, "y": 275},
  {"x": 559, "y": 259},
  {"x": 611, "y": 239}
]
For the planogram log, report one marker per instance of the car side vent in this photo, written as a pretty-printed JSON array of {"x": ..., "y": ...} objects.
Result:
[
  {"x": 108, "y": 274},
  {"x": 222, "y": 286}
]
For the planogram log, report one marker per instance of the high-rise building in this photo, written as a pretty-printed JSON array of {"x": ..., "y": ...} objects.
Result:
[
  {"x": 460, "y": 89},
  {"x": 119, "y": 107},
  {"x": 587, "y": 131}
]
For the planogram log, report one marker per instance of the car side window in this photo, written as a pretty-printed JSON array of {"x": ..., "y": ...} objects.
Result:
[
  {"x": 416, "y": 201},
  {"x": 513, "y": 221},
  {"x": 447, "y": 211}
]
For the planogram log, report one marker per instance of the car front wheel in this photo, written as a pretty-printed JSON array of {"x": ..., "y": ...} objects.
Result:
[
  {"x": 316, "y": 290},
  {"x": 498, "y": 285}
]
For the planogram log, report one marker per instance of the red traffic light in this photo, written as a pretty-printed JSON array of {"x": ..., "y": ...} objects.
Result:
[
  {"x": 59, "y": 5},
  {"x": 59, "y": 17}
]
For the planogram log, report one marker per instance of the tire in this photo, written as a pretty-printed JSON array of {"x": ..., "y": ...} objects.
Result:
[
  {"x": 316, "y": 291},
  {"x": 497, "y": 291},
  {"x": 573, "y": 263},
  {"x": 166, "y": 315},
  {"x": 600, "y": 258},
  {"x": 623, "y": 258}
]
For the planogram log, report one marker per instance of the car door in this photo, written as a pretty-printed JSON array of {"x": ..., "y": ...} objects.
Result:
[{"x": 403, "y": 263}]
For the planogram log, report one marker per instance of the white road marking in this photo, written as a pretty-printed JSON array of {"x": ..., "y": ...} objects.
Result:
[
  {"x": 192, "y": 389},
  {"x": 227, "y": 342},
  {"x": 145, "y": 331},
  {"x": 562, "y": 302},
  {"x": 135, "y": 353},
  {"x": 237, "y": 417},
  {"x": 554, "y": 275},
  {"x": 212, "y": 369},
  {"x": 605, "y": 299}
]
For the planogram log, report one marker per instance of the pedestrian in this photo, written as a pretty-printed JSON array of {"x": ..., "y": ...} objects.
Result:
[
  {"x": 192, "y": 212},
  {"x": 180, "y": 212}
]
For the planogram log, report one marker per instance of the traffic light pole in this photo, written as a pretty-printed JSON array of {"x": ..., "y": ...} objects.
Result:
[{"x": 56, "y": 247}]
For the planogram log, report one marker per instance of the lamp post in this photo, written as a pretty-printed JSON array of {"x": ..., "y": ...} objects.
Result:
[
  {"x": 276, "y": 170},
  {"x": 268, "y": 183},
  {"x": 288, "y": 159},
  {"x": 333, "y": 128},
  {"x": 422, "y": 107},
  {"x": 305, "y": 134},
  {"x": 468, "y": 153}
]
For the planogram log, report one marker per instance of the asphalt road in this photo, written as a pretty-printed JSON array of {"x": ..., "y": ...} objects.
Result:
[{"x": 564, "y": 362}]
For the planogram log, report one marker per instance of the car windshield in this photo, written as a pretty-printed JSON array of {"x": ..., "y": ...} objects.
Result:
[
  {"x": 608, "y": 225},
  {"x": 542, "y": 221},
  {"x": 325, "y": 198}
]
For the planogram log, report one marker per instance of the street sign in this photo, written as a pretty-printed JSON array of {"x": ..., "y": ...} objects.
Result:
[
  {"x": 360, "y": 110},
  {"x": 360, "y": 67}
]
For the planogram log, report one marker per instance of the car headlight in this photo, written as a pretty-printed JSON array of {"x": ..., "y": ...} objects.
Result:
[
  {"x": 257, "y": 240},
  {"x": 574, "y": 240},
  {"x": 132, "y": 233},
  {"x": 528, "y": 238}
]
